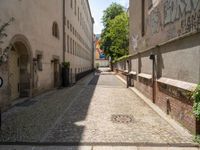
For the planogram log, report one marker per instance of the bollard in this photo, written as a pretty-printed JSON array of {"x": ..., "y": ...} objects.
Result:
[
  {"x": 1, "y": 84},
  {"x": 0, "y": 119}
]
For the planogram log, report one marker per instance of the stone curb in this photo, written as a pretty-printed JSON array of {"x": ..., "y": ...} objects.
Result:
[{"x": 93, "y": 148}]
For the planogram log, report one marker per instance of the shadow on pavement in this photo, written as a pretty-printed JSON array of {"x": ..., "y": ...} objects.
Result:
[{"x": 68, "y": 130}]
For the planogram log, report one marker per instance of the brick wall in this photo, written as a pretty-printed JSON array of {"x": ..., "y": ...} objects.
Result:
[
  {"x": 175, "y": 103},
  {"x": 144, "y": 86},
  {"x": 172, "y": 100}
]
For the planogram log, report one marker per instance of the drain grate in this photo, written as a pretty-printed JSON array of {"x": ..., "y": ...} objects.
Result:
[{"x": 123, "y": 119}]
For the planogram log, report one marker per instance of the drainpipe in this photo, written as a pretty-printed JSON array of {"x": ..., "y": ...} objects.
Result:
[
  {"x": 1, "y": 84},
  {"x": 153, "y": 58},
  {"x": 64, "y": 35}
]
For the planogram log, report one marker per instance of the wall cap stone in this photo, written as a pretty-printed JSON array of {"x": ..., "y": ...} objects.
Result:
[
  {"x": 146, "y": 76},
  {"x": 177, "y": 83},
  {"x": 133, "y": 73}
]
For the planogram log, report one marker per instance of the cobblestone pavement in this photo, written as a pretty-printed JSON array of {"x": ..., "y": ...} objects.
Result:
[{"x": 99, "y": 109}]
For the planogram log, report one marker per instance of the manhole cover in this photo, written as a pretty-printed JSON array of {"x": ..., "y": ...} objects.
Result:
[{"x": 124, "y": 119}]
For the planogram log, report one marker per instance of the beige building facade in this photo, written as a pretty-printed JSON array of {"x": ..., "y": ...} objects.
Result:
[
  {"x": 164, "y": 52},
  {"x": 42, "y": 36}
]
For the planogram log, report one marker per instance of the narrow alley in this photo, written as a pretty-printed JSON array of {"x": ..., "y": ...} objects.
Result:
[{"x": 98, "y": 110}]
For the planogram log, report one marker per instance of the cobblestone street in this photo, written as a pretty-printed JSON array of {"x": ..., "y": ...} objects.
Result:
[{"x": 98, "y": 109}]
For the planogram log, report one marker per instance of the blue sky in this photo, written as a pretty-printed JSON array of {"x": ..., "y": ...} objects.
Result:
[{"x": 97, "y": 8}]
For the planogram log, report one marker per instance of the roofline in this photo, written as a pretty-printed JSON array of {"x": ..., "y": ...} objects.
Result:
[{"x": 90, "y": 11}]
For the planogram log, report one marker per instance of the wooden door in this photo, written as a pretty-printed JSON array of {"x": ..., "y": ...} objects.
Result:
[
  {"x": 14, "y": 75},
  {"x": 56, "y": 73}
]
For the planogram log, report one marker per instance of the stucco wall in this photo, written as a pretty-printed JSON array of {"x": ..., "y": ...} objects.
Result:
[
  {"x": 163, "y": 23},
  {"x": 82, "y": 22},
  {"x": 34, "y": 19},
  {"x": 180, "y": 60},
  {"x": 165, "y": 20}
]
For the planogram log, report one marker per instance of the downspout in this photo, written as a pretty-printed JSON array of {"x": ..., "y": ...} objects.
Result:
[
  {"x": 93, "y": 44},
  {"x": 152, "y": 57},
  {"x": 64, "y": 35}
]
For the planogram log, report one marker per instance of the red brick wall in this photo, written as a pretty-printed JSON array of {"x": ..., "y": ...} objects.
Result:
[
  {"x": 171, "y": 100},
  {"x": 144, "y": 86},
  {"x": 177, "y": 105}
]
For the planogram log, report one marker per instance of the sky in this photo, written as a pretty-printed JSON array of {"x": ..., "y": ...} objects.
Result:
[{"x": 97, "y": 8}]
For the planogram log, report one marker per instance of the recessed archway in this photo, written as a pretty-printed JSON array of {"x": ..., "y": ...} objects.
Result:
[{"x": 20, "y": 68}]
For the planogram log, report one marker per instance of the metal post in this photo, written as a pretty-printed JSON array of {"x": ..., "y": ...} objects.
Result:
[
  {"x": 0, "y": 119},
  {"x": 1, "y": 84},
  {"x": 152, "y": 57}
]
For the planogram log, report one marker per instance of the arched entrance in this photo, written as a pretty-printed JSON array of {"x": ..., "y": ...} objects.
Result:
[{"x": 20, "y": 67}]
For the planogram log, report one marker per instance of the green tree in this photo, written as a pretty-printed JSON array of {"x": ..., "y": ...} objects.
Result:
[
  {"x": 111, "y": 12},
  {"x": 118, "y": 33},
  {"x": 3, "y": 35},
  {"x": 114, "y": 37}
]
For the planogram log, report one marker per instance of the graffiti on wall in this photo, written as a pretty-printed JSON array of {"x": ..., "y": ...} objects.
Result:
[
  {"x": 134, "y": 39},
  {"x": 176, "y": 9},
  {"x": 155, "y": 21},
  {"x": 185, "y": 11},
  {"x": 190, "y": 23}
]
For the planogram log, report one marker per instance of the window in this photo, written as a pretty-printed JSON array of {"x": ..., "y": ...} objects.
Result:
[
  {"x": 68, "y": 24},
  {"x": 78, "y": 14},
  {"x": 73, "y": 48},
  {"x": 75, "y": 7},
  {"x": 55, "y": 30},
  {"x": 143, "y": 17},
  {"x": 68, "y": 43},
  {"x": 71, "y": 27},
  {"x": 71, "y": 3},
  {"x": 39, "y": 60}
]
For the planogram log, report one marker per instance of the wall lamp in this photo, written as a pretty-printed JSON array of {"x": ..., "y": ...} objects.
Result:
[{"x": 152, "y": 57}]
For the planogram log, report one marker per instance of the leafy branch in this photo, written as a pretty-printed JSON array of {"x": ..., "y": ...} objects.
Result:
[
  {"x": 196, "y": 98},
  {"x": 3, "y": 35}
]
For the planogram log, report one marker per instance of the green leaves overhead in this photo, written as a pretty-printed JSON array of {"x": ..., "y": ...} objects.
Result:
[
  {"x": 111, "y": 12},
  {"x": 114, "y": 38}
]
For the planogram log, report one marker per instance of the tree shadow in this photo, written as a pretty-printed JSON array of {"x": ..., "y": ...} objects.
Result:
[{"x": 68, "y": 130}]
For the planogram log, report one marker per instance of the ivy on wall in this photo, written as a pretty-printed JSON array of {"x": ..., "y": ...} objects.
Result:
[{"x": 196, "y": 98}]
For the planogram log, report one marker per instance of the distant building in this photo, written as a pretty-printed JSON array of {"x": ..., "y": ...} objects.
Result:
[
  {"x": 43, "y": 35},
  {"x": 165, "y": 54},
  {"x": 101, "y": 59}
]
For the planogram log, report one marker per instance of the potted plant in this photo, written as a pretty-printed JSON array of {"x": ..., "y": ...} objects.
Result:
[
  {"x": 97, "y": 66},
  {"x": 65, "y": 73}
]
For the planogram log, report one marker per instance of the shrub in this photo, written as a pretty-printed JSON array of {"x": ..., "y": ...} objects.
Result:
[
  {"x": 66, "y": 64},
  {"x": 121, "y": 59},
  {"x": 196, "y": 98}
]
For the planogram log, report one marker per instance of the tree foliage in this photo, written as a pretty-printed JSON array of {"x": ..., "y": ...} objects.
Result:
[
  {"x": 111, "y": 12},
  {"x": 114, "y": 38},
  {"x": 3, "y": 35}
]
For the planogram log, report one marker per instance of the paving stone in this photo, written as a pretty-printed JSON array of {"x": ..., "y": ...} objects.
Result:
[
  {"x": 64, "y": 148},
  {"x": 45, "y": 147},
  {"x": 182, "y": 148},
  {"x": 83, "y": 114},
  {"x": 114, "y": 148},
  {"x": 16, "y": 147},
  {"x": 152, "y": 148}
]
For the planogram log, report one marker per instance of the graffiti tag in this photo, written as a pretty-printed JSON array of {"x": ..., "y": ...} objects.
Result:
[{"x": 175, "y": 9}]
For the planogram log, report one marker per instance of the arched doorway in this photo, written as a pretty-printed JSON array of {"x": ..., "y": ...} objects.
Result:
[{"x": 20, "y": 67}]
